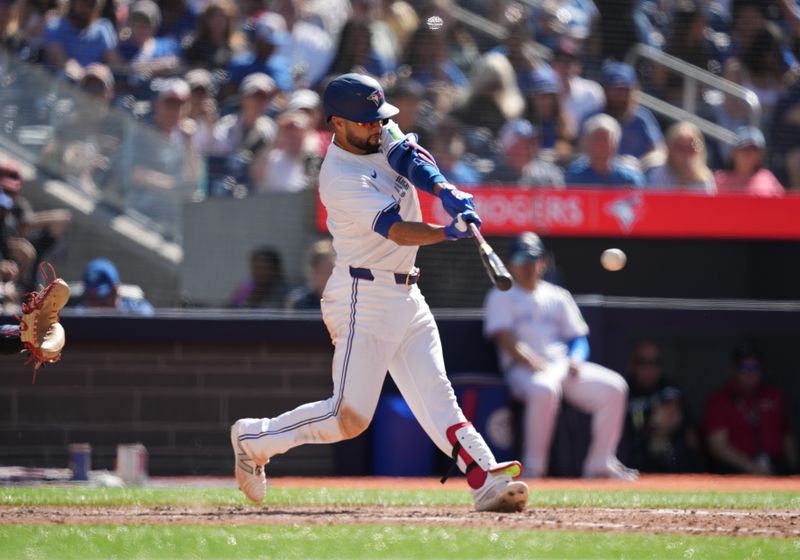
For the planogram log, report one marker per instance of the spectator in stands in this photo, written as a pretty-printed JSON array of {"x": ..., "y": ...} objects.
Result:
[
  {"x": 203, "y": 109},
  {"x": 685, "y": 168},
  {"x": 25, "y": 32},
  {"x": 429, "y": 62},
  {"x": 580, "y": 98},
  {"x": 147, "y": 56},
  {"x": 310, "y": 49},
  {"x": 746, "y": 172},
  {"x": 641, "y": 135},
  {"x": 494, "y": 97},
  {"x": 762, "y": 66},
  {"x": 355, "y": 53},
  {"x": 216, "y": 40},
  {"x": 571, "y": 19},
  {"x": 308, "y": 101},
  {"x": 546, "y": 112},
  {"x": 686, "y": 40},
  {"x": 102, "y": 289},
  {"x": 408, "y": 95},
  {"x": 79, "y": 38},
  {"x": 523, "y": 53},
  {"x": 521, "y": 165},
  {"x": 658, "y": 435},
  {"x": 266, "y": 287},
  {"x": 241, "y": 138},
  {"x": 383, "y": 44},
  {"x": 319, "y": 266},
  {"x": 600, "y": 163},
  {"x": 293, "y": 163},
  {"x": 269, "y": 34},
  {"x": 784, "y": 148},
  {"x": 543, "y": 349},
  {"x": 617, "y": 31},
  {"x": 83, "y": 149},
  {"x": 746, "y": 423},
  {"x": 179, "y": 19},
  {"x": 167, "y": 168},
  {"x": 31, "y": 234},
  {"x": 449, "y": 148},
  {"x": 401, "y": 21}
]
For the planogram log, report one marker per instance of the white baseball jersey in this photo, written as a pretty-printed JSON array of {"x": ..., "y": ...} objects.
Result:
[
  {"x": 356, "y": 191},
  {"x": 545, "y": 319}
]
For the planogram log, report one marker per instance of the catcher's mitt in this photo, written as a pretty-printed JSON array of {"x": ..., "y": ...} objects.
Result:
[{"x": 39, "y": 329}]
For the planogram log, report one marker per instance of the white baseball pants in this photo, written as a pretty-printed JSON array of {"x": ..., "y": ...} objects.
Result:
[
  {"x": 375, "y": 326},
  {"x": 596, "y": 390}
]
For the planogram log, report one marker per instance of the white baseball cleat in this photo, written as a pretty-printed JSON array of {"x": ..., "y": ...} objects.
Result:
[
  {"x": 501, "y": 493},
  {"x": 250, "y": 476}
]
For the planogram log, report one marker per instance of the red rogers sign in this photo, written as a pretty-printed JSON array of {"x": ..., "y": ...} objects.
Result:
[{"x": 625, "y": 213}]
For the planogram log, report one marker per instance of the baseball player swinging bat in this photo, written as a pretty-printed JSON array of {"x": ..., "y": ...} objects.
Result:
[{"x": 495, "y": 268}]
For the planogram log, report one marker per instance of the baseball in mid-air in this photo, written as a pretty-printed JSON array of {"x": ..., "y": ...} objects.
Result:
[
  {"x": 434, "y": 23},
  {"x": 613, "y": 259}
]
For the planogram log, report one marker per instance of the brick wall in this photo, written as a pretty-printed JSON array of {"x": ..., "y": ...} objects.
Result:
[{"x": 176, "y": 398}]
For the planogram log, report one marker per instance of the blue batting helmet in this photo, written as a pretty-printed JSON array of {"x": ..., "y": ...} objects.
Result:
[{"x": 357, "y": 98}]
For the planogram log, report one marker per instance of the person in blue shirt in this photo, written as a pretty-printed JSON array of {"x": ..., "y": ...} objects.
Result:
[
  {"x": 269, "y": 34},
  {"x": 146, "y": 55},
  {"x": 102, "y": 289},
  {"x": 79, "y": 38},
  {"x": 600, "y": 165},
  {"x": 641, "y": 134}
]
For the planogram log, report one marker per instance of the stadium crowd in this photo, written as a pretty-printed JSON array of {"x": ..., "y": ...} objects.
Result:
[{"x": 543, "y": 100}]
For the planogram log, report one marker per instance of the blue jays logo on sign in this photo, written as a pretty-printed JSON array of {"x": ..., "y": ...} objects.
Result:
[{"x": 376, "y": 97}]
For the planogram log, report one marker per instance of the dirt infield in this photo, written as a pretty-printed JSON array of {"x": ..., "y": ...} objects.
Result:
[{"x": 730, "y": 522}]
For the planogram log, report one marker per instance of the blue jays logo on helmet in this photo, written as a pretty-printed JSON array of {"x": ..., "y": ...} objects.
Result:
[{"x": 358, "y": 98}]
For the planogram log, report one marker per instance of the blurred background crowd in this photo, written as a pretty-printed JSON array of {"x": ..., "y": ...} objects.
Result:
[{"x": 501, "y": 92}]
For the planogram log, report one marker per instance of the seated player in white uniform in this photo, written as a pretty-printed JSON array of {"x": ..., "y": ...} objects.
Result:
[
  {"x": 376, "y": 315},
  {"x": 541, "y": 341}
]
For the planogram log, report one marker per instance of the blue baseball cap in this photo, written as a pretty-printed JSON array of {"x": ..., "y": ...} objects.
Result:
[
  {"x": 6, "y": 201},
  {"x": 358, "y": 98},
  {"x": 526, "y": 247},
  {"x": 618, "y": 74},
  {"x": 545, "y": 80},
  {"x": 749, "y": 136},
  {"x": 101, "y": 276}
]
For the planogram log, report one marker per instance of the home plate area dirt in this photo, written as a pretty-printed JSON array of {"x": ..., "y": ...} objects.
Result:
[{"x": 727, "y": 522}]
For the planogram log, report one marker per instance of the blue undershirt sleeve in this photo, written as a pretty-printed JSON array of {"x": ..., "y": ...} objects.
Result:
[{"x": 578, "y": 349}]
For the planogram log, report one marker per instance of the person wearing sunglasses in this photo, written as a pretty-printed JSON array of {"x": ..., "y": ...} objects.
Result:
[{"x": 746, "y": 422}]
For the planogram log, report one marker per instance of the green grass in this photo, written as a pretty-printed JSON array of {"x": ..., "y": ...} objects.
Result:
[
  {"x": 143, "y": 496},
  {"x": 285, "y": 542},
  {"x": 368, "y": 542}
]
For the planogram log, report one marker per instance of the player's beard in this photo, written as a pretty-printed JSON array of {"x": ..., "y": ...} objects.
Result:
[{"x": 369, "y": 145}]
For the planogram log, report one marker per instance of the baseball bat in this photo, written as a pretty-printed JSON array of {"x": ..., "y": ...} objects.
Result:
[{"x": 495, "y": 268}]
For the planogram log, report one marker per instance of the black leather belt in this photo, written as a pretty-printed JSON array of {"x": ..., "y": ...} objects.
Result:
[{"x": 404, "y": 279}]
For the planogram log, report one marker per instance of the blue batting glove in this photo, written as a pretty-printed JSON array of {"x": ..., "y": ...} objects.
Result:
[
  {"x": 458, "y": 228},
  {"x": 455, "y": 201}
]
